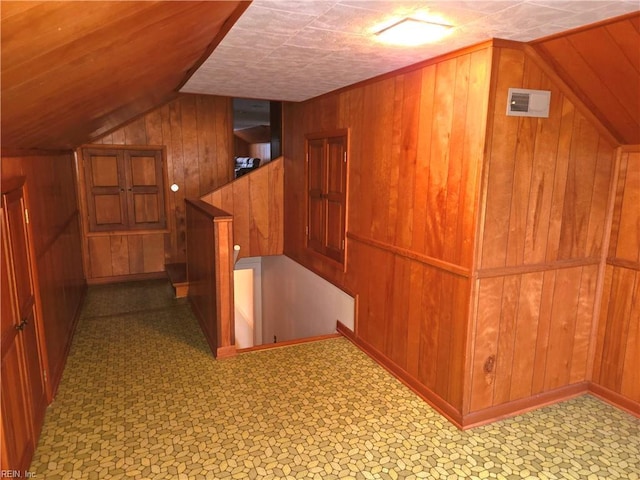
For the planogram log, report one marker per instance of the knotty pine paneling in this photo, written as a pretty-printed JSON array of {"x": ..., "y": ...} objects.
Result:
[
  {"x": 618, "y": 341},
  {"x": 602, "y": 66},
  {"x": 416, "y": 143},
  {"x": 197, "y": 133},
  {"x": 256, "y": 202},
  {"x": 54, "y": 217}
]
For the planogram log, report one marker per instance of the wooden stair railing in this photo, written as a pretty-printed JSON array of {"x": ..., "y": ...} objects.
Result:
[{"x": 209, "y": 274}]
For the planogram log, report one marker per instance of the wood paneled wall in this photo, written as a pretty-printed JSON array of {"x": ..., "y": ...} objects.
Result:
[
  {"x": 617, "y": 359},
  {"x": 54, "y": 216},
  {"x": 416, "y": 144},
  {"x": 475, "y": 239},
  {"x": 197, "y": 133},
  {"x": 256, "y": 202},
  {"x": 546, "y": 187}
]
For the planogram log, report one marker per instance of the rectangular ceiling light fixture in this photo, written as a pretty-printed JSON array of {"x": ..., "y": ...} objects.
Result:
[{"x": 412, "y": 32}]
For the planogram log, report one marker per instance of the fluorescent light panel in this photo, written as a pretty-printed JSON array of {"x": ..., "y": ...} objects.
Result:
[{"x": 413, "y": 32}]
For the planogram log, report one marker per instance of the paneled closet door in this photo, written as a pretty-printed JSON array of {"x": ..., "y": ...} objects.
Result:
[{"x": 23, "y": 387}]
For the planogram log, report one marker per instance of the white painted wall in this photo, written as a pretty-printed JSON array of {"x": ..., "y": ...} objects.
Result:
[
  {"x": 297, "y": 303},
  {"x": 248, "y": 301}
]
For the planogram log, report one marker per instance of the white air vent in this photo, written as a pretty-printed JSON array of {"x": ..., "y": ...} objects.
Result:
[{"x": 528, "y": 103}]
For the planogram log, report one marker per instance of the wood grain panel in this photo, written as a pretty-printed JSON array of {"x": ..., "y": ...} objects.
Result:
[
  {"x": 148, "y": 48},
  {"x": 255, "y": 201},
  {"x": 601, "y": 64},
  {"x": 548, "y": 179},
  {"x": 416, "y": 144},
  {"x": 617, "y": 354},
  {"x": 55, "y": 222},
  {"x": 196, "y": 131}
]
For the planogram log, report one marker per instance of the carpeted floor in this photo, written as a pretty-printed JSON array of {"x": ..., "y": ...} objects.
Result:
[{"x": 143, "y": 398}]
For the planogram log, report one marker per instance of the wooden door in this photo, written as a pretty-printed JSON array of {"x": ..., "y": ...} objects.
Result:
[
  {"x": 336, "y": 196},
  {"x": 327, "y": 195},
  {"x": 125, "y": 189},
  {"x": 316, "y": 211},
  {"x": 144, "y": 189},
  {"x": 106, "y": 189},
  {"x": 23, "y": 386}
]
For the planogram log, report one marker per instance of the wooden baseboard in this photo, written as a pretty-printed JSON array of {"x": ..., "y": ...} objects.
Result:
[
  {"x": 54, "y": 380},
  {"x": 433, "y": 399},
  {"x": 127, "y": 278},
  {"x": 615, "y": 399},
  {"x": 226, "y": 352},
  {"x": 287, "y": 343},
  {"x": 517, "y": 407}
]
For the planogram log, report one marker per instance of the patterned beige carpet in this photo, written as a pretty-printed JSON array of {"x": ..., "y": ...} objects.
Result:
[{"x": 143, "y": 398}]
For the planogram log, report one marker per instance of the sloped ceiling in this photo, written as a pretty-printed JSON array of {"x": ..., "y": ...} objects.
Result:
[
  {"x": 602, "y": 65},
  {"x": 72, "y": 71}
]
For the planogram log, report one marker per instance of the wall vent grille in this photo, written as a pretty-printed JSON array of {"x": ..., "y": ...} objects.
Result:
[{"x": 528, "y": 103}]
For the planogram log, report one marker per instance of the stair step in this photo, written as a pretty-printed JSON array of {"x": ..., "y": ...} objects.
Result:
[{"x": 177, "y": 273}]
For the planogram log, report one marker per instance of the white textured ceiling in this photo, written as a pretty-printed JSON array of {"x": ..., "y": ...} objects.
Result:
[{"x": 295, "y": 50}]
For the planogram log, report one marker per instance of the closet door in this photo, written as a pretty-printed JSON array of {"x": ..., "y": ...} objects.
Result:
[{"x": 23, "y": 387}]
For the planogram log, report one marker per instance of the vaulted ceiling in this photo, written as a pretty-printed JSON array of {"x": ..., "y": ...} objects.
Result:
[
  {"x": 602, "y": 65},
  {"x": 72, "y": 71}
]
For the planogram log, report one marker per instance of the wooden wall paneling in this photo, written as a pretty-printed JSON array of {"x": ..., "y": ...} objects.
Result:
[
  {"x": 544, "y": 331},
  {"x": 560, "y": 180},
  {"x": 242, "y": 214},
  {"x": 579, "y": 191},
  {"x": 490, "y": 292},
  {"x": 506, "y": 339},
  {"x": 256, "y": 202},
  {"x": 501, "y": 168},
  {"x": 258, "y": 199},
  {"x": 100, "y": 256},
  {"x": 627, "y": 245},
  {"x": 439, "y": 158},
  {"x": 526, "y": 333},
  {"x": 414, "y": 316},
  {"x": 585, "y": 318},
  {"x": 55, "y": 222},
  {"x": 421, "y": 180},
  {"x": 630, "y": 383},
  {"x": 616, "y": 334},
  {"x": 136, "y": 261},
  {"x": 429, "y": 328},
  {"x": 378, "y": 105},
  {"x": 195, "y": 131},
  {"x": 523, "y": 167},
  {"x": 406, "y": 151},
  {"x": 451, "y": 236},
  {"x": 189, "y": 132},
  {"x": 153, "y": 250},
  {"x": 275, "y": 241},
  {"x": 473, "y": 154},
  {"x": 119, "y": 255},
  {"x": 543, "y": 173},
  {"x": 563, "y": 320},
  {"x": 399, "y": 326}
]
